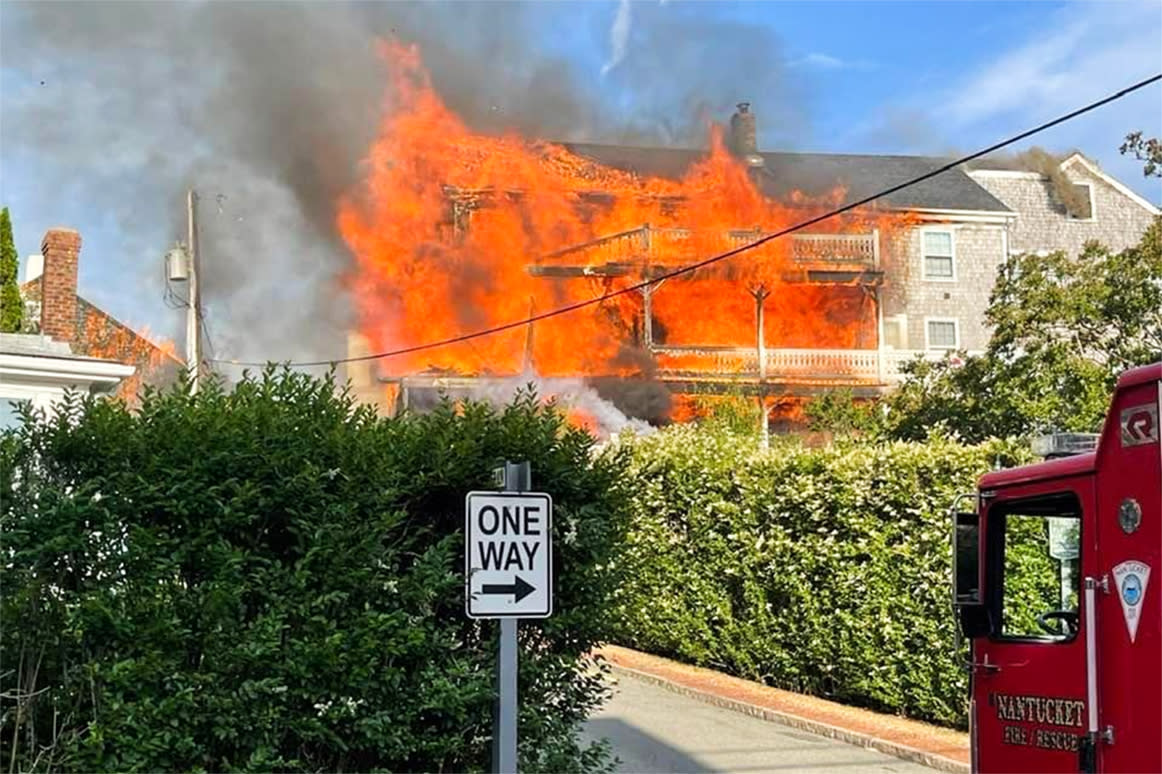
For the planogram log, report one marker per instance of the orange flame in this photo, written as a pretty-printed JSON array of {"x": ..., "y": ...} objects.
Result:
[
  {"x": 102, "y": 336},
  {"x": 580, "y": 418},
  {"x": 448, "y": 222}
]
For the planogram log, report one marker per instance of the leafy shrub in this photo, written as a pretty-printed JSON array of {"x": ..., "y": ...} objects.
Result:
[
  {"x": 824, "y": 571},
  {"x": 271, "y": 579},
  {"x": 839, "y": 412}
]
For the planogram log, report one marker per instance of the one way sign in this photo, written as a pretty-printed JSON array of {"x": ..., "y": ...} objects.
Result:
[{"x": 508, "y": 559}]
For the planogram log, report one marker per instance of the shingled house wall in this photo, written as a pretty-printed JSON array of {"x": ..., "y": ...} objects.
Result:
[
  {"x": 1041, "y": 226},
  {"x": 978, "y": 250}
]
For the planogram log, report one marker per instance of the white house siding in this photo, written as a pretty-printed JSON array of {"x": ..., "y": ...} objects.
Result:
[
  {"x": 1118, "y": 219},
  {"x": 978, "y": 250},
  {"x": 34, "y": 369}
]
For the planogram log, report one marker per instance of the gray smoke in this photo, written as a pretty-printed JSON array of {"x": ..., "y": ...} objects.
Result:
[
  {"x": 267, "y": 109},
  {"x": 608, "y": 421}
]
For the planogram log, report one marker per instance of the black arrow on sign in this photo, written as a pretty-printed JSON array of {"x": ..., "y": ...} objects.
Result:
[{"x": 518, "y": 588}]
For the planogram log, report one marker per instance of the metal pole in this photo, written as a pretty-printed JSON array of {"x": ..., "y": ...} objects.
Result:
[
  {"x": 527, "y": 364},
  {"x": 760, "y": 294},
  {"x": 193, "y": 354},
  {"x": 504, "y": 741},
  {"x": 879, "y": 334},
  {"x": 517, "y": 478},
  {"x": 1091, "y": 657},
  {"x": 648, "y": 319},
  {"x": 1088, "y": 753}
]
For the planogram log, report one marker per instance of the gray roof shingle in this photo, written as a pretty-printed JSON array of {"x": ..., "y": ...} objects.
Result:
[{"x": 816, "y": 174}]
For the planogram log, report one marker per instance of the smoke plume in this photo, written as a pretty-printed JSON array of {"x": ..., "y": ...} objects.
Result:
[
  {"x": 603, "y": 418},
  {"x": 267, "y": 109}
]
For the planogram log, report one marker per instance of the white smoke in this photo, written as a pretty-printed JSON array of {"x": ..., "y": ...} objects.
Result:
[
  {"x": 618, "y": 36},
  {"x": 569, "y": 394}
]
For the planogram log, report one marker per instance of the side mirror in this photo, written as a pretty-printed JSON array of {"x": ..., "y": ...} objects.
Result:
[
  {"x": 967, "y": 599},
  {"x": 966, "y": 559}
]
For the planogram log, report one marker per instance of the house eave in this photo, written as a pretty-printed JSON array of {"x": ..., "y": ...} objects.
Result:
[
  {"x": 93, "y": 375},
  {"x": 965, "y": 216}
]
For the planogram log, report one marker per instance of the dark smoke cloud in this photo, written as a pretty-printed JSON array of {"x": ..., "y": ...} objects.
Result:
[{"x": 267, "y": 109}]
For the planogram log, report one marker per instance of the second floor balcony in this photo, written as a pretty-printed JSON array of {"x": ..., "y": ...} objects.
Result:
[
  {"x": 649, "y": 251},
  {"x": 856, "y": 367}
]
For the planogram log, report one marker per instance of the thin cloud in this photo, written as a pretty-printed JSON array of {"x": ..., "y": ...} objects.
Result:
[
  {"x": 821, "y": 61},
  {"x": 1078, "y": 54},
  {"x": 618, "y": 36}
]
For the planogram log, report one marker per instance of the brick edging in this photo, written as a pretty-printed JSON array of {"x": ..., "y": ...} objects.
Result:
[{"x": 803, "y": 724}]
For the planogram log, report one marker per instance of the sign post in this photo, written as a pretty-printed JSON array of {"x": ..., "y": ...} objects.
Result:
[{"x": 508, "y": 568}]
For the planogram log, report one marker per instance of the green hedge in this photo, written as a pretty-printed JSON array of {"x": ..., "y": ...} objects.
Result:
[
  {"x": 824, "y": 571},
  {"x": 271, "y": 579}
]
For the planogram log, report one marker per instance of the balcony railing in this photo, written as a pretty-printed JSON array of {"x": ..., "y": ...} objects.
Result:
[
  {"x": 648, "y": 244},
  {"x": 838, "y": 366}
]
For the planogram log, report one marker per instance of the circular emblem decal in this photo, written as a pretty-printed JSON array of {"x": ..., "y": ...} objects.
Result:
[
  {"x": 1132, "y": 589},
  {"x": 1129, "y": 515}
]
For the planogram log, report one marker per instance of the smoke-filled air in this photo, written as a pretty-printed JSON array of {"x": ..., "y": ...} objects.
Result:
[{"x": 359, "y": 172}]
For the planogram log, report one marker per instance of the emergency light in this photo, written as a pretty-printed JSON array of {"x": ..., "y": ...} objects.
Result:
[{"x": 1064, "y": 444}]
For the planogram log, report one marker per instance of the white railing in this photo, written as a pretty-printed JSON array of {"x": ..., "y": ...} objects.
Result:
[
  {"x": 860, "y": 249},
  {"x": 824, "y": 365},
  {"x": 652, "y": 243}
]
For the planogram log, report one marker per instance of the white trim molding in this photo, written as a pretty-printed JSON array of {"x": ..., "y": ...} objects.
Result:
[
  {"x": 43, "y": 379},
  {"x": 1090, "y": 167},
  {"x": 961, "y": 216},
  {"x": 1005, "y": 174},
  {"x": 955, "y": 327}
]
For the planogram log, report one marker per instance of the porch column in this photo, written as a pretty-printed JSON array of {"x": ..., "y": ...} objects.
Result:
[{"x": 760, "y": 294}]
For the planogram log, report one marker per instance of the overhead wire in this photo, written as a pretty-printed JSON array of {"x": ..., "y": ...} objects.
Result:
[{"x": 690, "y": 268}]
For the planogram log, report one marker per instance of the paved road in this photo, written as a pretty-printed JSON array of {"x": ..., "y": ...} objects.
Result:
[{"x": 656, "y": 730}]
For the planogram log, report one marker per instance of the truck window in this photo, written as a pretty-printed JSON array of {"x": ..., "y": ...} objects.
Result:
[{"x": 1040, "y": 540}]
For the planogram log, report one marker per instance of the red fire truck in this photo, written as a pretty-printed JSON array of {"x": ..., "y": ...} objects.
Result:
[{"x": 1052, "y": 586}]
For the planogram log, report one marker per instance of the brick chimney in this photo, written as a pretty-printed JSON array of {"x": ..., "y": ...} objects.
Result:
[
  {"x": 58, "y": 284},
  {"x": 744, "y": 136}
]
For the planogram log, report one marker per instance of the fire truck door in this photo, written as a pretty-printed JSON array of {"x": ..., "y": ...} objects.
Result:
[
  {"x": 1029, "y": 678},
  {"x": 1129, "y": 610}
]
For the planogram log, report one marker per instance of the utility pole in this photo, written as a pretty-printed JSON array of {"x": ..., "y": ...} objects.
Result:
[{"x": 193, "y": 311}]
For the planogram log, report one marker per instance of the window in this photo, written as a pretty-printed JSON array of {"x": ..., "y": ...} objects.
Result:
[
  {"x": 1080, "y": 205},
  {"x": 896, "y": 332},
  {"x": 1038, "y": 541},
  {"x": 938, "y": 260},
  {"x": 942, "y": 334}
]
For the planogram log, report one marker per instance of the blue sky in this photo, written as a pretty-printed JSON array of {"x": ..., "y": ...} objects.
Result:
[{"x": 859, "y": 77}]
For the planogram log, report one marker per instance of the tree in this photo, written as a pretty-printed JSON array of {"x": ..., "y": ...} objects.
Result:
[
  {"x": 271, "y": 579},
  {"x": 1145, "y": 150},
  {"x": 1063, "y": 329},
  {"x": 11, "y": 304}
]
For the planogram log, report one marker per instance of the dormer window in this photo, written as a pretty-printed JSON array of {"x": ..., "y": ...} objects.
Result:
[{"x": 1080, "y": 206}]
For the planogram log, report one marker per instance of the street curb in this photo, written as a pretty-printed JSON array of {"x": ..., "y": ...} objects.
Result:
[{"x": 894, "y": 749}]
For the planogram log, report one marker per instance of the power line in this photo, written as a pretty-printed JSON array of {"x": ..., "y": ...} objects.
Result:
[
  {"x": 721, "y": 256},
  {"x": 205, "y": 325}
]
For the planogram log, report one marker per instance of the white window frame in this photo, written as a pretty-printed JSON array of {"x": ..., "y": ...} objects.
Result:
[
  {"x": 924, "y": 255},
  {"x": 955, "y": 327},
  {"x": 900, "y": 321},
  {"x": 1092, "y": 203}
]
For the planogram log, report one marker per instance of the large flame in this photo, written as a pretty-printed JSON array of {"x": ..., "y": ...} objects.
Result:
[
  {"x": 103, "y": 337},
  {"x": 448, "y": 222}
]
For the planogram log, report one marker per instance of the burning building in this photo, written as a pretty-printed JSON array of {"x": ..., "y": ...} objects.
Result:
[{"x": 455, "y": 232}]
